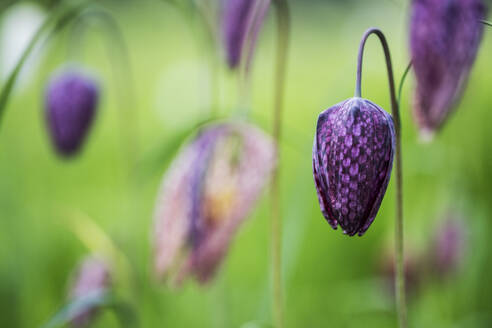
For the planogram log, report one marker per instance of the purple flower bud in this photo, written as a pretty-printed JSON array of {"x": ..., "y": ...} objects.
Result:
[
  {"x": 449, "y": 245},
  {"x": 70, "y": 101},
  {"x": 206, "y": 194},
  {"x": 93, "y": 277},
  {"x": 241, "y": 22},
  {"x": 444, "y": 39},
  {"x": 352, "y": 161}
]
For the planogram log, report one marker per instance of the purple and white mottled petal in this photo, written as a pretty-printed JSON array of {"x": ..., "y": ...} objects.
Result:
[
  {"x": 444, "y": 40},
  {"x": 93, "y": 276},
  {"x": 231, "y": 191},
  {"x": 352, "y": 161},
  {"x": 172, "y": 223}
]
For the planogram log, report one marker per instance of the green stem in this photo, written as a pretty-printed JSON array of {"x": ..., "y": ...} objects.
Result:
[
  {"x": 58, "y": 18},
  {"x": 402, "y": 81},
  {"x": 395, "y": 110},
  {"x": 484, "y": 22},
  {"x": 117, "y": 52},
  {"x": 206, "y": 27},
  {"x": 94, "y": 301},
  {"x": 283, "y": 34}
]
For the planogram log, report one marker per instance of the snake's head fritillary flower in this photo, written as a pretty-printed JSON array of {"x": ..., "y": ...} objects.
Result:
[
  {"x": 352, "y": 161},
  {"x": 448, "y": 245},
  {"x": 241, "y": 23},
  {"x": 206, "y": 194},
  {"x": 92, "y": 278},
  {"x": 444, "y": 40},
  {"x": 71, "y": 101}
]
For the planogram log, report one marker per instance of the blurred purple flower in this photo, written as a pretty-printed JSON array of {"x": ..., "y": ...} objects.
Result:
[
  {"x": 448, "y": 245},
  {"x": 352, "y": 161},
  {"x": 206, "y": 194},
  {"x": 241, "y": 23},
  {"x": 444, "y": 40},
  {"x": 71, "y": 100},
  {"x": 93, "y": 277}
]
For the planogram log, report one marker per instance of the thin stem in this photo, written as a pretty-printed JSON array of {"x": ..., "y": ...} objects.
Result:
[
  {"x": 206, "y": 27},
  {"x": 283, "y": 33},
  {"x": 94, "y": 300},
  {"x": 400, "y": 277},
  {"x": 402, "y": 81},
  {"x": 118, "y": 54},
  {"x": 58, "y": 19},
  {"x": 484, "y": 22}
]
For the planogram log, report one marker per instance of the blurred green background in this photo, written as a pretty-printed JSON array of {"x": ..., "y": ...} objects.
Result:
[{"x": 331, "y": 280}]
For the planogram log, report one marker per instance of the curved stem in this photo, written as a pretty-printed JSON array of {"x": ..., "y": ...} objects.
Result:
[
  {"x": 400, "y": 277},
  {"x": 484, "y": 22},
  {"x": 117, "y": 52},
  {"x": 94, "y": 300},
  {"x": 207, "y": 28},
  {"x": 58, "y": 19},
  {"x": 402, "y": 81},
  {"x": 283, "y": 33}
]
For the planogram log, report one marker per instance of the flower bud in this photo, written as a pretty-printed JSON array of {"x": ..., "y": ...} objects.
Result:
[
  {"x": 444, "y": 40},
  {"x": 206, "y": 194},
  {"x": 352, "y": 161},
  {"x": 71, "y": 100},
  {"x": 241, "y": 22},
  {"x": 93, "y": 277}
]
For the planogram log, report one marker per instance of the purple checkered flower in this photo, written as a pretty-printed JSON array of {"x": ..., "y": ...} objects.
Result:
[
  {"x": 207, "y": 193},
  {"x": 241, "y": 23},
  {"x": 444, "y": 40},
  {"x": 92, "y": 278},
  {"x": 71, "y": 101},
  {"x": 352, "y": 161}
]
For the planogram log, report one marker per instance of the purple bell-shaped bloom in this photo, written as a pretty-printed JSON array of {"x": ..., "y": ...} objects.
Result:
[
  {"x": 352, "y": 161},
  {"x": 92, "y": 278},
  {"x": 444, "y": 40},
  {"x": 71, "y": 101},
  {"x": 241, "y": 23},
  {"x": 207, "y": 193}
]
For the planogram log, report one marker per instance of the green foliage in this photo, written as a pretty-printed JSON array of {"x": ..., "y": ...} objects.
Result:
[{"x": 330, "y": 280}]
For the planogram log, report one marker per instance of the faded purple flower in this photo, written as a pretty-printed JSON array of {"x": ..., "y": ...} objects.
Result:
[
  {"x": 241, "y": 23},
  {"x": 448, "y": 245},
  {"x": 352, "y": 161},
  {"x": 206, "y": 194},
  {"x": 71, "y": 100},
  {"x": 93, "y": 277},
  {"x": 444, "y": 39}
]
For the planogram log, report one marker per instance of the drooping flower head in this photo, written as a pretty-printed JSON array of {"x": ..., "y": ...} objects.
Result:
[
  {"x": 206, "y": 194},
  {"x": 241, "y": 23},
  {"x": 71, "y": 101},
  {"x": 92, "y": 278},
  {"x": 444, "y": 40},
  {"x": 352, "y": 161},
  {"x": 448, "y": 246}
]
